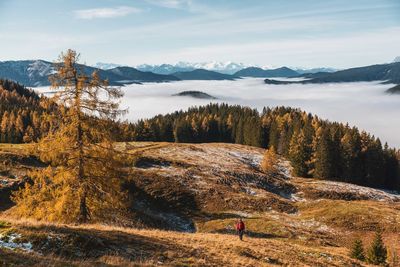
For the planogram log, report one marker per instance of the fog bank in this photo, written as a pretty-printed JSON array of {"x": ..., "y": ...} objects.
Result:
[{"x": 361, "y": 104}]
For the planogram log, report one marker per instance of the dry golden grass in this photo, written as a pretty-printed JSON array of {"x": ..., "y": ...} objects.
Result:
[
  {"x": 354, "y": 215},
  {"x": 175, "y": 249}
]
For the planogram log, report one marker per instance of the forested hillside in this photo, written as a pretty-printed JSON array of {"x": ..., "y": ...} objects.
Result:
[
  {"x": 317, "y": 148},
  {"x": 24, "y": 116}
]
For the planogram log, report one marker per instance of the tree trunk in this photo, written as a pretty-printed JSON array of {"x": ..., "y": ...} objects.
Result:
[{"x": 83, "y": 209}]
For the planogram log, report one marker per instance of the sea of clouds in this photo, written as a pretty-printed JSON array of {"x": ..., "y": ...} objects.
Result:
[{"x": 361, "y": 104}]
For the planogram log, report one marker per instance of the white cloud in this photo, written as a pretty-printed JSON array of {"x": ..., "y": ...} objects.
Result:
[
  {"x": 106, "y": 12},
  {"x": 192, "y": 6},
  {"x": 170, "y": 3}
]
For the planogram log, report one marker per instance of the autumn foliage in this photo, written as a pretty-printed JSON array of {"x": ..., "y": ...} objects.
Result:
[{"x": 83, "y": 181}]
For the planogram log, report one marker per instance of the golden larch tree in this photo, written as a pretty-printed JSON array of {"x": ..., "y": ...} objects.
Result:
[{"x": 83, "y": 180}]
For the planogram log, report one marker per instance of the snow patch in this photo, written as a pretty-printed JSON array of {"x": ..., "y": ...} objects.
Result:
[
  {"x": 251, "y": 159},
  {"x": 40, "y": 68},
  {"x": 370, "y": 193},
  {"x": 250, "y": 191},
  {"x": 8, "y": 241},
  {"x": 285, "y": 168}
]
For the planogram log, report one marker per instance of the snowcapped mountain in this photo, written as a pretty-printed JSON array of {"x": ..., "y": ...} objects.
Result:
[
  {"x": 222, "y": 67},
  {"x": 27, "y": 72},
  {"x": 105, "y": 66},
  {"x": 313, "y": 70},
  {"x": 165, "y": 69},
  {"x": 397, "y": 59}
]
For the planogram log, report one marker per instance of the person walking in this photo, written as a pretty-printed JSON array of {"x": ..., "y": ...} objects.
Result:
[{"x": 240, "y": 227}]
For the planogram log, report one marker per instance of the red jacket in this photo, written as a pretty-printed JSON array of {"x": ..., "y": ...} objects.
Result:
[{"x": 240, "y": 226}]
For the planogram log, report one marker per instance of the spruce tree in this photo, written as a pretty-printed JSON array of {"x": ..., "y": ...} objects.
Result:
[
  {"x": 83, "y": 181},
  {"x": 323, "y": 157},
  {"x": 357, "y": 250},
  {"x": 377, "y": 253},
  {"x": 299, "y": 154}
]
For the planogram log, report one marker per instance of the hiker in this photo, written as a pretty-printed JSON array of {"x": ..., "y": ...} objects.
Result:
[{"x": 240, "y": 228}]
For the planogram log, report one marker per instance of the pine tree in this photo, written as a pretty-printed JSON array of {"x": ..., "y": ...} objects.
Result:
[
  {"x": 83, "y": 181},
  {"x": 377, "y": 253},
  {"x": 357, "y": 250}
]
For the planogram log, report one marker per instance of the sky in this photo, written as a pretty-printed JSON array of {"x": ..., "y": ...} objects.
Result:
[{"x": 307, "y": 33}]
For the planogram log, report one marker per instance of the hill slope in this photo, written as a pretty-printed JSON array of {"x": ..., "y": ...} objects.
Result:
[{"x": 204, "y": 188}]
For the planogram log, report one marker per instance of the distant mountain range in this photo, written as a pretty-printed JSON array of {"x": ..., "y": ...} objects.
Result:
[
  {"x": 388, "y": 73},
  {"x": 221, "y": 67},
  {"x": 33, "y": 73}
]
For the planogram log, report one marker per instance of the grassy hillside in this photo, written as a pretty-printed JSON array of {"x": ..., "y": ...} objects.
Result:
[
  {"x": 96, "y": 245},
  {"x": 199, "y": 191}
]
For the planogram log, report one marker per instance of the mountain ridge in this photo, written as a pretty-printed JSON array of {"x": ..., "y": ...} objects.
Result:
[
  {"x": 265, "y": 73},
  {"x": 202, "y": 74},
  {"x": 387, "y": 73}
]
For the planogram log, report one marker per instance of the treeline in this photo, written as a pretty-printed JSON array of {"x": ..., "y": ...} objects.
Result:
[
  {"x": 24, "y": 116},
  {"x": 317, "y": 148}
]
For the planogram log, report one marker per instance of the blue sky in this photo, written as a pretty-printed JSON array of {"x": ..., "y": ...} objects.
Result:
[{"x": 307, "y": 33}]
